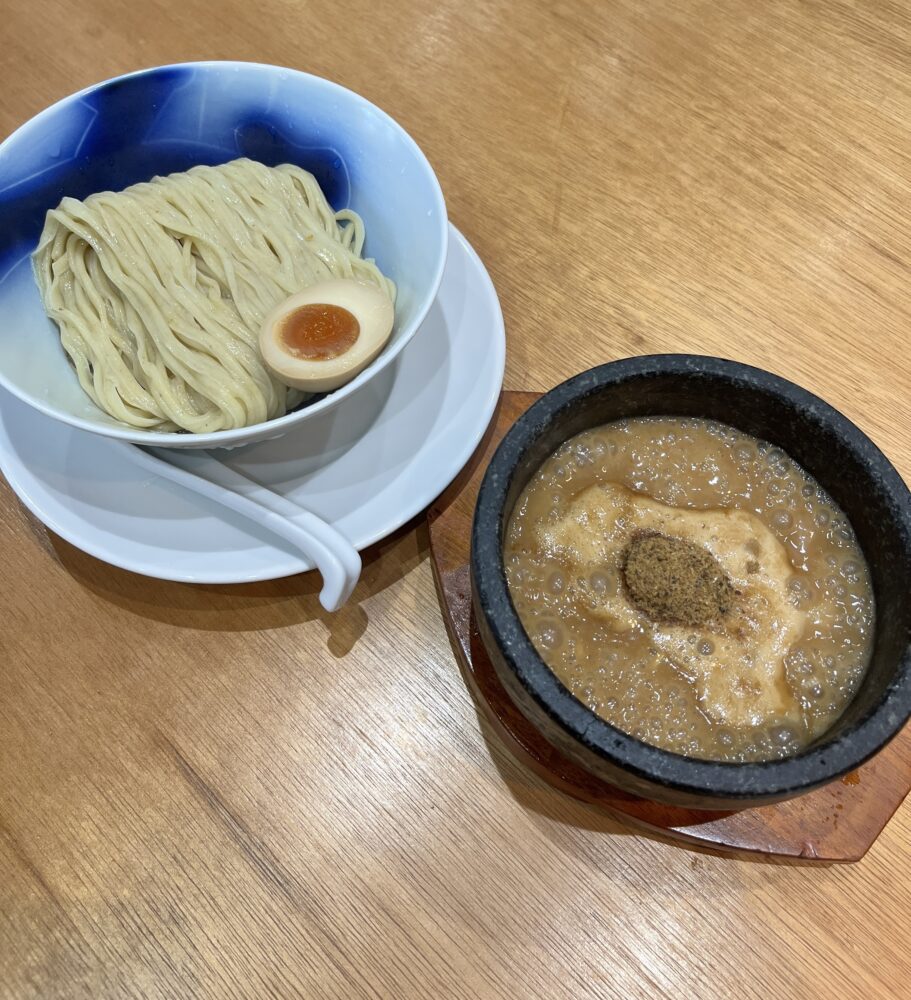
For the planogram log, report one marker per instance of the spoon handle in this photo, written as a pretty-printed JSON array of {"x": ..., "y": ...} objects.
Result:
[{"x": 335, "y": 557}]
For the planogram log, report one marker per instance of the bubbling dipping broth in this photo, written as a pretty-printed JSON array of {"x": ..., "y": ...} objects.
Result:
[{"x": 693, "y": 586}]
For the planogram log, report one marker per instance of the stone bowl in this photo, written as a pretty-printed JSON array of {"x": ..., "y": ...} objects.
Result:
[{"x": 830, "y": 447}]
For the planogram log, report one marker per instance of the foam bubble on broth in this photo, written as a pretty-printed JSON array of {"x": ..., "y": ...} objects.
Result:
[{"x": 776, "y": 670}]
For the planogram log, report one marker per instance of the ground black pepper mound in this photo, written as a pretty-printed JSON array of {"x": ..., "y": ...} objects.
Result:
[{"x": 675, "y": 581}]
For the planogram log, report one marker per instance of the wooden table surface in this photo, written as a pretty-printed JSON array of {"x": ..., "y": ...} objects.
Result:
[{"x": 224, "y": 792}]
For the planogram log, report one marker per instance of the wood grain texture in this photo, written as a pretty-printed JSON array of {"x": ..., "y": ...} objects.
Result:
[
  {"x": 222, "y": 792},
  {"x": 836, "y": 823}
]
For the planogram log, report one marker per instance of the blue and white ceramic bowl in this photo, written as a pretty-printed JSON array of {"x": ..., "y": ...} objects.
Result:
[{"x": 162, "y": 120}]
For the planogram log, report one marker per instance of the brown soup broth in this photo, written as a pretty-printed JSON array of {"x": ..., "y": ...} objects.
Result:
[{"x": 774, "y": 668}]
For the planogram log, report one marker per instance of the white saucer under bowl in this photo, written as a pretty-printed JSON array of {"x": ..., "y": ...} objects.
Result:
[{"x": 367, "y": 466}]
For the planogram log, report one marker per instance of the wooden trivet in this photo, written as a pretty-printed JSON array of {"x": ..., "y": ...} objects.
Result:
[{"x": 836, "y": 823}]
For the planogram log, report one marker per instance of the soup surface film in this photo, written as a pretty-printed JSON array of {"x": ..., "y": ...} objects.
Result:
[{"x": 693, "y": 586}]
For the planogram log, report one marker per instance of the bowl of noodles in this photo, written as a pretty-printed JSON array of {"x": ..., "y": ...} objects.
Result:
[{"x": 154, "y": 222}]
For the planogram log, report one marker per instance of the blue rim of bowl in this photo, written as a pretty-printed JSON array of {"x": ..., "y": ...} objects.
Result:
[
  {"x": 240, "y": 435},
  {"x": 773, "y": 778}
]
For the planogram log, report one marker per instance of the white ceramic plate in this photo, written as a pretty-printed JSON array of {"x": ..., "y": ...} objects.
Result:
[{"x": 367, "y": 466}]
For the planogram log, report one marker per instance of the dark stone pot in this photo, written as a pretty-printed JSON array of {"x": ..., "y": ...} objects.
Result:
[{"x": 843, "y": 460}]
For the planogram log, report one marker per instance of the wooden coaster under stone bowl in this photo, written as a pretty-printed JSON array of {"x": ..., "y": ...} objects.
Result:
[{"x": 835, "y": 823}]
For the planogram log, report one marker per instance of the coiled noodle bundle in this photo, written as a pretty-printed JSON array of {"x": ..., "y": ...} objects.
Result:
[{"x": 159, "y": 290}]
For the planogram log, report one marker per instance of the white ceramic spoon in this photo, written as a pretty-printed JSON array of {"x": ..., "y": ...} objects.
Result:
[{"x": 335, "y": 557}]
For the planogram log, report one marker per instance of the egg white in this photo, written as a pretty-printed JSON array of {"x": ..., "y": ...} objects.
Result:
[{"x": 373, "y": 311}]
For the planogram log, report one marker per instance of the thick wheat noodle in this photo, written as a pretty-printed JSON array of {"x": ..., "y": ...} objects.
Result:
[{"x": 159, "y": 290}]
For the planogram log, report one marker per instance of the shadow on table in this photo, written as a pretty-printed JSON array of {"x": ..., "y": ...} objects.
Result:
[{"x": 250, "y": 607}]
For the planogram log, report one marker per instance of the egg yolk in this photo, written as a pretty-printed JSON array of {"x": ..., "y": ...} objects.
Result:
[{"x": 319, "y": 331}]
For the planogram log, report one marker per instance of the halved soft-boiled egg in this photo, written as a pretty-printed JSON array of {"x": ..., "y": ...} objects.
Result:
[{"x": 320, "y": 338}]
